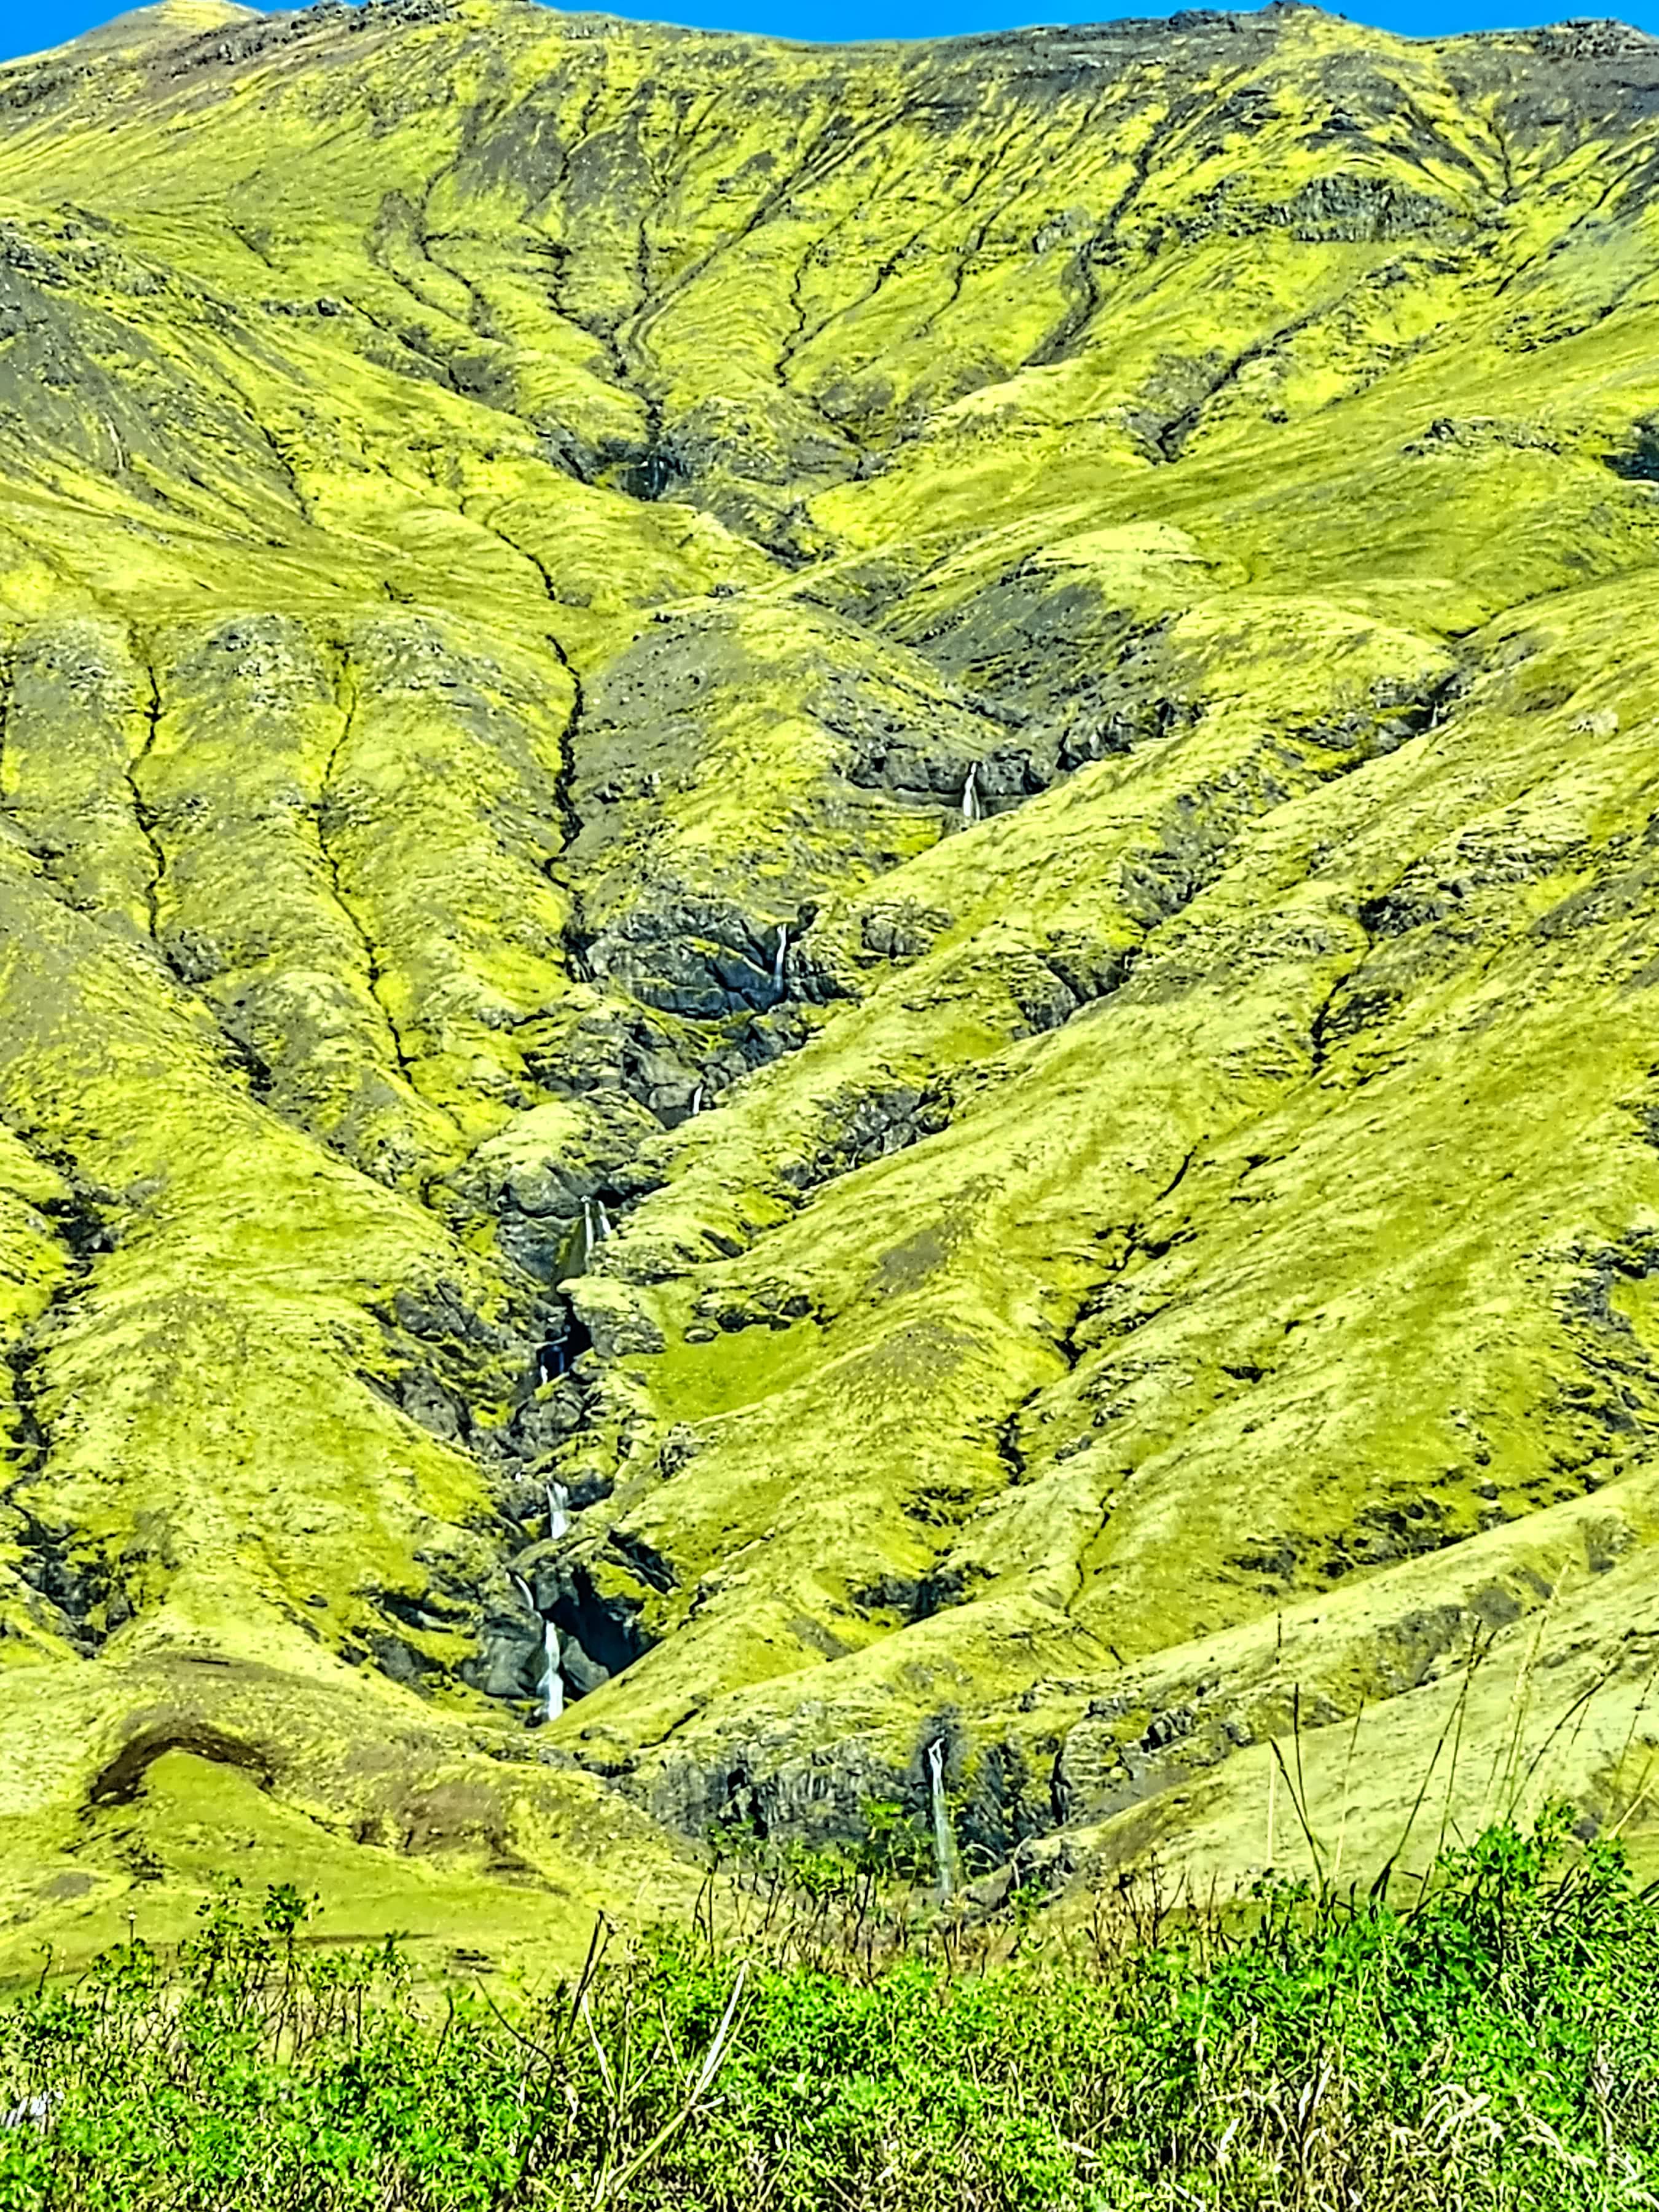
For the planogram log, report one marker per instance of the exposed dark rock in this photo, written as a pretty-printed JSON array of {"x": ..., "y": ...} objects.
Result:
[
  {"x": 597, "y": 1609},
  {"x": 512, "y": 1660},
  {"x": 915, "y": 1597}
]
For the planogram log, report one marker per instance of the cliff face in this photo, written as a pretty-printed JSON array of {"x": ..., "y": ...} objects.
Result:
[{"x": 880, "y": 818}]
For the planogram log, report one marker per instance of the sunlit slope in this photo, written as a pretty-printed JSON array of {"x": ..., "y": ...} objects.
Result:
[{"x": 876, "y": 818}]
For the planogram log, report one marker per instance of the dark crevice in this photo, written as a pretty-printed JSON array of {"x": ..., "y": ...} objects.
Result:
[
  {"x": 1170, "y": 438},
  {"x": 1084, "y": 1550},
  {"x": 918, "y": 1597},
  {"x": 1103, "y": 247},
  {"x": 1138, "y": 1244},
  {"x": 872, "y": 1126},
  {"x": 347, "y": 700},
  {"x": 561, "y": 870},
  {"x": 7, "y": 676},
  {"x": 144, "y": 814},
  {"x": 642, "y": 1560},
  {"x": 1318, "y": 1026},
  {"x": 1005, "y": 1438},
  {"x": 525, "y": 554},
  {"x": 286, "y": 469},
  {"x": 77, "y": 1580}
]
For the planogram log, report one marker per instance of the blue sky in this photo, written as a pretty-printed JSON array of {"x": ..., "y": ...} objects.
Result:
[{"x": 26, "y": 26}]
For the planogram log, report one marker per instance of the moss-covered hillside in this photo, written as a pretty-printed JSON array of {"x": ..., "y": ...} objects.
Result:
[{"x": 829, "y": 874}]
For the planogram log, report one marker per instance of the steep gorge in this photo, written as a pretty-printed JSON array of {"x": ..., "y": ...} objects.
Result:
[{"x": 886, "y": 811}]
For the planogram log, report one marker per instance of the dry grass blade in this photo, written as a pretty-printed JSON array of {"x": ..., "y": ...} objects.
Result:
[{"x": 611, "y": 2184}]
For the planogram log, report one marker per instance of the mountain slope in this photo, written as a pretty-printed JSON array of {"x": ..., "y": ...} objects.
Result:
[{"x": 887, "y": 807}]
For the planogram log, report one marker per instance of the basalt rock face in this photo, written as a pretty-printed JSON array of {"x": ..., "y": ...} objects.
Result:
[{"x": 838, "y": 864}]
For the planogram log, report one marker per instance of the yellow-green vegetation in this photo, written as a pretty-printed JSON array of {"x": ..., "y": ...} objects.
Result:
[{"x": 828, "y": 871}]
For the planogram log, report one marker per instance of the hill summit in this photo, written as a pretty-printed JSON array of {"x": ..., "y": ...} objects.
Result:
[{"x": 826, "y": 948}]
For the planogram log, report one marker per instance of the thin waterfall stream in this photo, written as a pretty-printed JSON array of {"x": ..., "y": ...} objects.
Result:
[
  {"x": 596, "y": 1227},
  {"x": 553, "y": 1679},
  {"x": 944, "y": 1847},
  {"x": 553, "y": 1694}
]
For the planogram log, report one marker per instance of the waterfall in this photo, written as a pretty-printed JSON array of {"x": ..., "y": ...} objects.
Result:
[
  {"x": 596, "y": 1227},
  {"x": 970, "y": 795},
  {"x": 558, "y": 1517},
  {"x": 550, "y": 1363},
  {"x": 944, "y": 1848},
  {"x": 777, "y": 965},
  {"x": 553, "y": 1703},
  {"x": 524, "y": 1590},
  {"x": 696, "y": 1102}
]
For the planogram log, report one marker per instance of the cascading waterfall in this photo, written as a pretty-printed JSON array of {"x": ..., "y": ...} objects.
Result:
[
  {"x": 783, "y": 953},
  {"x": 558, "y": 1514},
  {"x": 553, "y": 1699},
  {"x": 553, "y": 1687},
  {"x": 697, "y": 1101},
  {"x": 596, "y": 1227},
  {"x": 944, "y": 1847},
  {"x": 970, "y": 795}
]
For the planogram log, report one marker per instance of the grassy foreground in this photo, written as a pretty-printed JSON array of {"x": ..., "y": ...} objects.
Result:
[{"x": 1494, "y": 2041}]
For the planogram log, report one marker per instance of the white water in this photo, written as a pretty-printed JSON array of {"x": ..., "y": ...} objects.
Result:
[
  {"x": 970, "y": 795},
  {"x": 553, "y": 1705},
  {"x": 783, "y": 949},
  {"x": 603, "y": 1218},
  {"x": 558, "y": 1516},
  {"x": 523, "y": 1589},
  {"x": 589, "y": 1237},
  {"x": 697, "y": 1100},
  {"x": 945, "y": 1849}
]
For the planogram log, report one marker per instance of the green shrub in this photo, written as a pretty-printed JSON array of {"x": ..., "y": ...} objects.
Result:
[{"x": 1494, "y": 2043}]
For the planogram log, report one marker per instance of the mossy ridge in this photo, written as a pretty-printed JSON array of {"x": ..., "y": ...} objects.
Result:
[
  {"x": 1091, "y": 409},
  {"x": 1162, "y": 1282}
]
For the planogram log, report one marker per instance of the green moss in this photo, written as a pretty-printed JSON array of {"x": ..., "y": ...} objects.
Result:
[{"x": 506, "y": 517}]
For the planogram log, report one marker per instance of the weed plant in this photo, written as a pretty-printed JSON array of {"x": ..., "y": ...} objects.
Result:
[{"x": 817, "y": 2046}]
